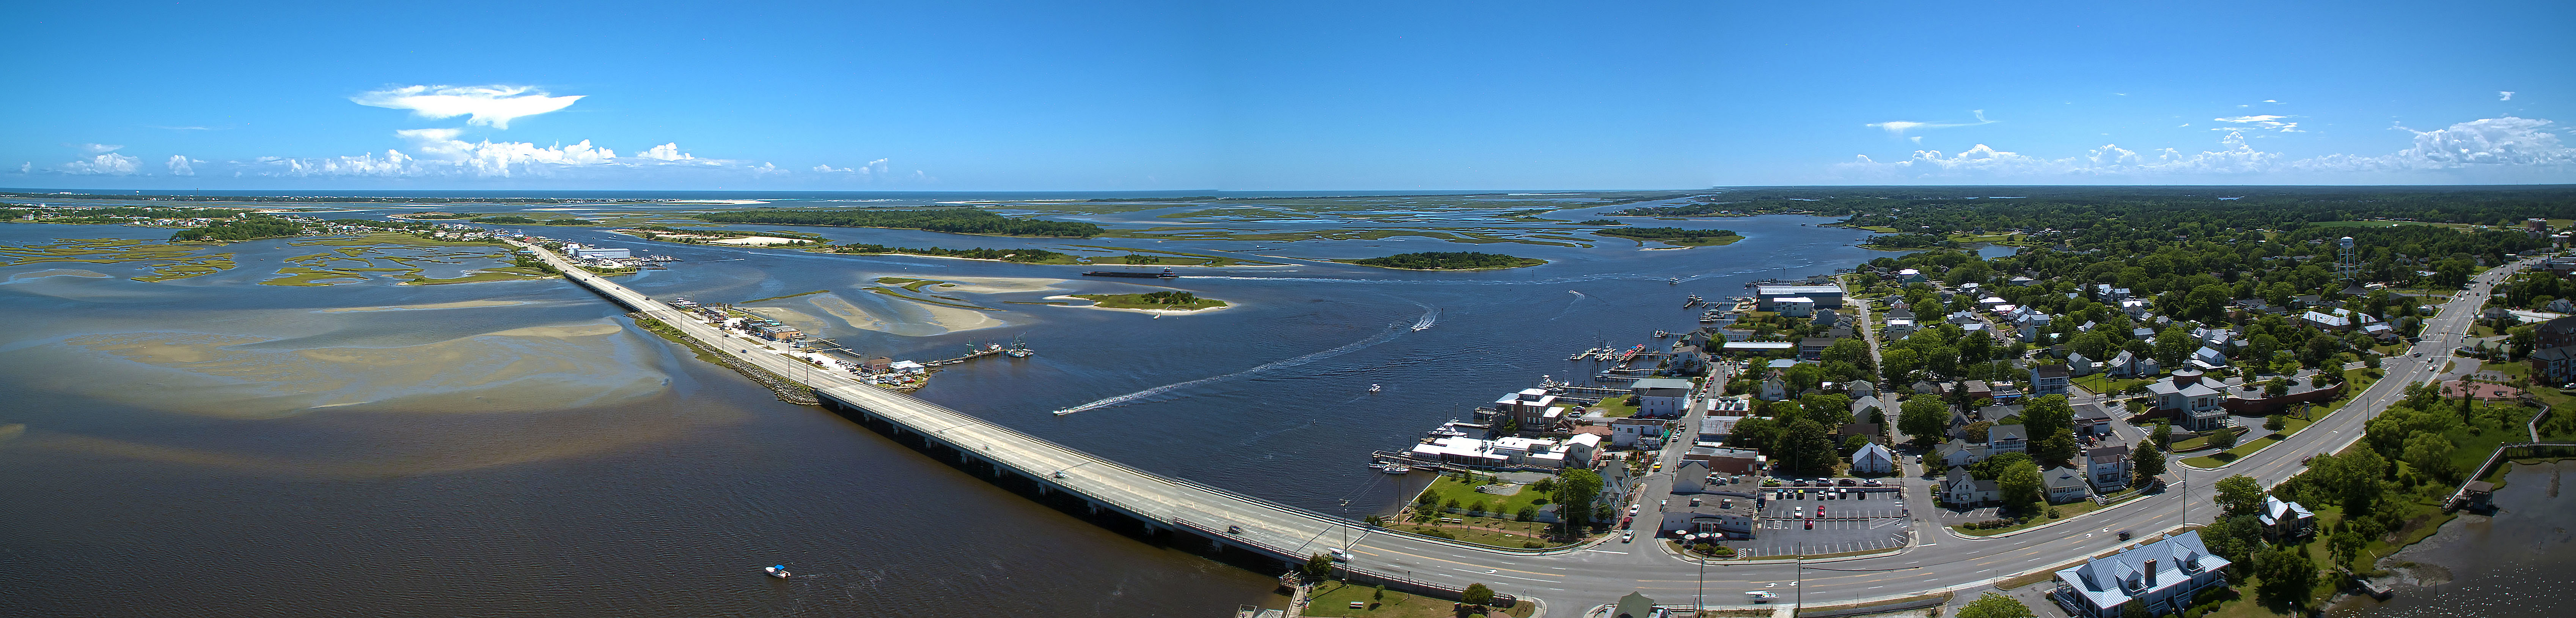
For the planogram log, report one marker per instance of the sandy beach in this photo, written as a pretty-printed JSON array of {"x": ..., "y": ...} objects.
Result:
[{"x": 1152, "y": 311}]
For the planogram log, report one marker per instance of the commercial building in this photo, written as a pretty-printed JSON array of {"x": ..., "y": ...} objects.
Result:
[
  {"x": 1534, "y": 409},
  {"x": 1826, "y": 296},
  {"x": 1661, "y": 397},
  {"x": 1509, "y": 452}
]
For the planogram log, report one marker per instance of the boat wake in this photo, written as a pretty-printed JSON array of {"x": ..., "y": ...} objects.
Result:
[
  {"x": 1569, "y": 306},
  {"x": 1428, "y": 319},
  {"x": 1389, "y": 335}
]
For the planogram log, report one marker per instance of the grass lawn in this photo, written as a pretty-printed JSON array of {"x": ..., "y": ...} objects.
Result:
[
  {"x": 1334, "y": 599},
  {"x": 1448, "y": 488},
  {"x": 1622, "y": 406},
  {"x": 1492, "y": 531},
  {"x": 2292, "y": 427},
  {"x": 2102, "y": 384},
  {"x": 2064, "y": 511}
]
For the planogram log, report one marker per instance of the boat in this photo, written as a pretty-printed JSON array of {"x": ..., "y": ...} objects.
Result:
[
  {"x": 1374, "y": 388},
  {"x": 777, "y": 571},
  {"x": 1674, "y": 281},
  {"x": 1166, "y": 274},
  {"x": 1661, "y": 334},
  {"x": 1393, "y": 468}
]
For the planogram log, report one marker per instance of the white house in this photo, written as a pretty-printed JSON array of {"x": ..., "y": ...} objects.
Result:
[
  {"x": 1873, "y": 459},
  {"x": 2160, "y": 577},
  {"x": 1962, "y": 489},
  {"x": 2108, "y": 467},
  {"x": 1661, "y": 397},
  {"x": 2063, "y": 485}
]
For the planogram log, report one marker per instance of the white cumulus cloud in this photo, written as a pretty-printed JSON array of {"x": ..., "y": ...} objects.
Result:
[
  {"x": 1899, "y": 127},
  {"x": 2265, "y": 121},
  {"x": 179, "y": 166},
  {"x": 492, "y": 106},
  {"x": 665, "y": 152},
  {"x": 105, "y": 163},
  {"x": 2504, "y": 95}
]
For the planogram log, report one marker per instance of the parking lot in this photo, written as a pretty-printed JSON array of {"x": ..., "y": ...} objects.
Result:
[{"x": 1853, "y": 519}]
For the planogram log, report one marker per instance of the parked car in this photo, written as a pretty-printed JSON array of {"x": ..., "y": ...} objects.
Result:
[{"x": 1627, "y": 536}]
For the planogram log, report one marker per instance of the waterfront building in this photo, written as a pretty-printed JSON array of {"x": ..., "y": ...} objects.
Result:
[
  {"x": 1510, "y": 451},
  {"x": 1661, "y": 397},
  {"x": 1533, "y": 408},
  {"x": 599, "y": 253},
  {"x": 1759, "y": 348},
  {"x": 2160, "y": 577},
  {"x": 1825, "y": 296}
]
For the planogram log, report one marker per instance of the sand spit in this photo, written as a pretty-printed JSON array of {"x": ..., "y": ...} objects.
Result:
[
  {"x": 462, "y": 304},
  {"x": 60, "y": 272},
  {"x": 1003, "y": 285},
  {"x": 898, "y": 316},
  {"x": 511, "y": 371}
]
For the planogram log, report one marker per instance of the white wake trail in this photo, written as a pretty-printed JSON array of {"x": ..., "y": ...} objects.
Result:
[{"x": 1389, "y": 335}]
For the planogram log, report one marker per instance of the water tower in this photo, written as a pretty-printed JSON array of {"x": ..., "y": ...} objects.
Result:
[{"x": 2348, "y": 264}]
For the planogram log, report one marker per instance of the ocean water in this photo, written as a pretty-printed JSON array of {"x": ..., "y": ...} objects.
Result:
[{"x": 211, "y": 446}]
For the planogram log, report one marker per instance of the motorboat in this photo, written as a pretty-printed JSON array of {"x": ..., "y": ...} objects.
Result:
[
  {"x": 777, "y": 571},
  {"x": 1395, "y": 468},
  {"x": 1375, "y": 388}
]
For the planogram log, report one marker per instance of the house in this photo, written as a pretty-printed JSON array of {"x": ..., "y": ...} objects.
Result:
[
  {"x": 1910, "y": 276},
  {"x": 1636, "y": 433},
  {"x": 1959, "y": 488},
  {"x": 1661, "y": 397},
  {"x": 2049, "y": 379},
  {"x": 2286, "y": 520},
  {"x": 2194, "y": 403},
  {"x": 1899, "y": 328},
  {"x": 1959, "y": 452},
  {"x": 2108, "y": 467},
  {"x": 1776, "y": 387},
  {"x": 2078, "y": 365},
  {"x": 2559, "y": 305},
  {"x": 2160, "y": 578},
  {"x": 1824, "y": 296},
  {"x": 1813, "y": 348},
  {"x": 2091, "y": 419},
  {"x": 2008, "y": 439},
  {"x": 1861, "y": 388},
  {"x": 1794, "y": 306},
  {"x": 2486, "y": 347},
  {"x": 2558, "y": 363},
  {"x": 2063, "y": 485},
  {"x": 2326, "y": 321},
  {"x": 2208, "y": 358},
  {"x": 1825, "y": 318},
  {"x": 1873, "y": 459},
  {"x": 1636, "y": 605},
  {"x": 1861, "y": 407},
  {"x": 1757, "y": 348},
  {"x": 1978, "y": 389}
]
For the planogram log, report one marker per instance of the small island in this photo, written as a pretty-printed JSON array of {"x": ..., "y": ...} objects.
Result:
[
  {"x": 1447, "y": 260},
  {"x": 950, "y": 220},
  {"x": 1154, "y": 301},
  {"x": 1676, "y": 236}
]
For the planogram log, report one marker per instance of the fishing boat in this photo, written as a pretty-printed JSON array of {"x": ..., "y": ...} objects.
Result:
[
  {"x": 777, "y": 571},
  {"x": 1393, "y": 468}
]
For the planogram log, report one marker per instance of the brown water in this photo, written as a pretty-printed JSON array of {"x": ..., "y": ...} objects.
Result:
[{"x": 2520, "y": 562}]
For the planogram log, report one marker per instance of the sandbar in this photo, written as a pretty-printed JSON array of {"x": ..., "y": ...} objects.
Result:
[
  {"x": 755, "y": 241},
  {"x": 462, "y": 304},
  {"x": 60, "y": 272},
  {"x": 904, "y": 317}
]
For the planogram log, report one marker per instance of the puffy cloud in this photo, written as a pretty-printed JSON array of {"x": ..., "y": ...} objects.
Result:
[
  {"x": 492, "y": 106},
  {"x": 873, "y": 169},
  {"x": 92, "y": 149},
  {"x": 1899, "y": 127},
  {"x": 104, "y": 163},
  {"x": 2504, "y": 95},
  {"x": 26, "y": 166},
  {"x": 665, "y": 152},
  {"x": 2487, "y": 144},
  {"x": 179, "y": 166}
]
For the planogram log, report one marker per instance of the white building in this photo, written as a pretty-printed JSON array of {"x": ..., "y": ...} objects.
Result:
[
  {"x": 1661, "y": 397},
  {"x": 2161, "y": 578},
  {"x": 1873, "y": 459},
  {"x": 1544, "y": 453}
]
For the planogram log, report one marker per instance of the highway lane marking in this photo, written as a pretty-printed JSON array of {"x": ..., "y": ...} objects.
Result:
[{"x": 1454, "y": 562}]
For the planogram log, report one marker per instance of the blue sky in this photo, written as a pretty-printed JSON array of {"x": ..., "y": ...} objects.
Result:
[{"x": 1281, "y": 96}]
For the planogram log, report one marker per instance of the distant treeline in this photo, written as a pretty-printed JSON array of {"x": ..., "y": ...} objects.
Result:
[
  {"x": 519, "y": 220},
  {"x": 1955, "y": 209},
  {"x": 396, "y": 225},
  {"x": 1909, "y": 241},
  {"x": 725, "y": 233},
  {"x": 12, "y": 214},
  {"x": 979, "y": 253},
  {"x": 1449, "y": 260},
  {"x": 312, "y": 198},
  {"x": 1665, "y": 233},
  {"x": 950, "y": 220},
  {"x": 246, "y": 228}
]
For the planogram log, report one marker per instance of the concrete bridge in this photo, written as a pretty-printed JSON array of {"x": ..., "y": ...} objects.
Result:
[{"x": 1187, "y": 514}]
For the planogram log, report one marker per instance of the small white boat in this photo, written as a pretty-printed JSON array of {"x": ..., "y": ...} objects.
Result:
[
  {"x": 1374, "y": 388},
  {"x": 1674, "y": 281},
  {"x": 777, "y": 571},
  {"x": 1395, "y": 468}
]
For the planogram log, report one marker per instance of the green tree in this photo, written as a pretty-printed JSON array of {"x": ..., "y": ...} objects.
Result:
[
  {"x": 1576, "y": 490},
  {"x": 2020, "y": 486},
  {"x": 1807, "y": 448},
  {"x": 2223, "y": 437},
  {"x": 2276, "y": 422},
  {"x": 2346, "y": 545},
  {"x": 1759, "y": 433},
  {"x": 2147, "y": 461},
  {"x": 1994, "y": 605},
  {"x": 2240, "y": 495},
  {"x": 2091, "y": 344},
  {"x": 1923, "y": 418},
  {"x": 1477, "y": 594},
  {"x": 2173, "y": 345},
  {"x": 2285, "y": 576},
  {"x": 2056, "y": 450},
  {"x": 1317, "y": 567},
  {"x": 2431, "y": 455}
]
